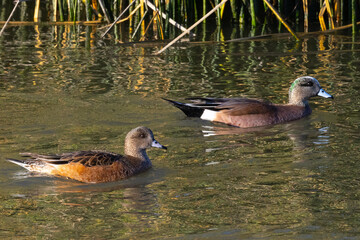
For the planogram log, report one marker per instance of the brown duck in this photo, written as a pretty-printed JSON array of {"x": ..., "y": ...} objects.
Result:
[{"x": 97, "y": 166}]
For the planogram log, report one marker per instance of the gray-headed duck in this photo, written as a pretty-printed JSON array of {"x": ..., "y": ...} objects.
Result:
[
  {"x": 97, "y": 166},
  {"x": 243, "y": 112}
]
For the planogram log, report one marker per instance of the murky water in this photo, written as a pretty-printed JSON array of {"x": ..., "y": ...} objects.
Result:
[{"x": 297, "y": 180}]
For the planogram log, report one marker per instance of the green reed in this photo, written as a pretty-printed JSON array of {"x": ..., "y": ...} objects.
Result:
[
  {"x": 299, "y": 14},
  {"x": 354, "y": 7}
]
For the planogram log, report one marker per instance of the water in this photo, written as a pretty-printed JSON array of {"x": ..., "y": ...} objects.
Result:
[{"x": 296, "y": 180}]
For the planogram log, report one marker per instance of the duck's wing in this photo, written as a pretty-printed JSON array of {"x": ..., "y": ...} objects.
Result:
[
  {"x": 235, "y": 106},
  {"x": 86, "y": 158}
]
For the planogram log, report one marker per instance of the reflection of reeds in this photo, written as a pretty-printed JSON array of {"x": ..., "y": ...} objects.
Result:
[{"x": 299, "y": 15}]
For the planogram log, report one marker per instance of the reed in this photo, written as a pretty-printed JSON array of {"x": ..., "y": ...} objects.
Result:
[
  {"x": 252, "y": 13},
  {"x": 305, "y": 14},
  {"x": 61, "y": 13},
  {"x": 37, "y": 9},
  {"x": 354, "y": 7}
]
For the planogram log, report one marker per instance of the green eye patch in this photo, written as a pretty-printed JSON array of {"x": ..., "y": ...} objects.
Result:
[{"x": 294, "y": 84}]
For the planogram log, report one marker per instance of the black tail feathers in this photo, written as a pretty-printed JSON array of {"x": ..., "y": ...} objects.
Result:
[{"x": 189, "y": 109}]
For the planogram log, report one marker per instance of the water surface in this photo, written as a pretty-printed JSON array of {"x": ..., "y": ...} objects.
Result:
[{"x": 296, "y": 180}]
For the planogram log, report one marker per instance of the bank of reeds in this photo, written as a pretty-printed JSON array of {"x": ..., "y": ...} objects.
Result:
[{"x": 158, "y": 18}]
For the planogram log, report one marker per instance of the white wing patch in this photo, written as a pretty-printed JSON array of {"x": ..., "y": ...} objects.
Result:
[{"x": 209, "y": 115}]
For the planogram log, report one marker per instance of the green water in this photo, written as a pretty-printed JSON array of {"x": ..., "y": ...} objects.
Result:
[{"x": 298, "y": 180}]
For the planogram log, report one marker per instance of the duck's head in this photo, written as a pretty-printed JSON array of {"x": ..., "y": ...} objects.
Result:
[
  {"x": 141, "y": 138},
  {"x": 304, "y": 88}
]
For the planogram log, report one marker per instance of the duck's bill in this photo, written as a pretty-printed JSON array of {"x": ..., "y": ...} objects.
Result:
[
  {"x": 157, "y": 145},
  {"x": 324, "y": 94}
]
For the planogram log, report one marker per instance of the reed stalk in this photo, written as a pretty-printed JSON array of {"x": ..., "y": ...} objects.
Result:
[
  {"x": 88, "y": 10},
  {"x": 78, "y": 10},
  {"x": 172, "y": 12},
  {"x": 190, "y": 10},
  {"x": 196, "y": 15},
  {"x": 353, "y": 14},
  {"x": 204, "y": 9},
  {"x": 70, "y": 12},
  {"x": 280, "y": 18},
  {"x": 183, "y": 8},
  {"x": 94, "y": 7},
  {"x": 160, "y": 20},
  {"x": 242, "y": 16},
  {"x": 3, "y": 10},
  {"x": 193, "y": 26},
  {"x": 321, "y": 17},
  {"x": 61, "y": 14},
  {"x": 167, "y": 10},
  {"x": 306, "y": 15},
  {"x": 160, "y": 28},
  {"x": 118, "y": 18},
  {"x": 105, "y": 10},
  {"x": 328, "y": 8},
  {"x": 233, "y": 10},
  {"x": 163, "y": 15},
  {"x": 141, "y": 22},
  {"x": 54, "y": 10},
  {"x": 37, "y": 9},
  {"x": 337, "y": 11},
  {"x": 349, "y": 11},
  {"x": 73, "y": 9},
  {"x": 280, "y": 9},
  {"x": 180, "y": 10},
  {"x": 342, "y": 11},
  {"x": 23, "y": 9},
  {"x": 143, "y": 11},
  {"x": 252, "y": 13},
  {"x": 147, "y": 28},
  {"x": 11, "y": 14},
  {"x": 173, "y": 5},
  {"x": 218, "y": 14},
  {"x": 298, "y": 15},
  {"x": 222, "y": 8},
  {"x": 115, "y": 8}
]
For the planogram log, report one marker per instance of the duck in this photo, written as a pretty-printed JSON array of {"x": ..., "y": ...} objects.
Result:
[
  {"x": 247, "y": 113},
  {"x": 96, "y": 166}
]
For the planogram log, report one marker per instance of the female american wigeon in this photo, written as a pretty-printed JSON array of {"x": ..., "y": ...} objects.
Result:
[
  {"x": 97, "y": 166},
  {"x": 243, "y": 112}
]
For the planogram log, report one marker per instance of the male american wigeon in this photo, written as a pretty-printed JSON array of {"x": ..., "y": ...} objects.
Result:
[
  {"x": 244, "y": 113},
  {"x": 97, "y": 166}
]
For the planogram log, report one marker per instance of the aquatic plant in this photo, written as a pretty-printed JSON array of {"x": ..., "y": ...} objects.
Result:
[{"x": 162, "y": 18}]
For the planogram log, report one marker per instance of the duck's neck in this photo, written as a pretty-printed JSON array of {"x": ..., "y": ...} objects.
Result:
[
  {"x": 139, "y": 154},
  {"x": 296, "y": 101},
  {"x": 299, "y": 103}
]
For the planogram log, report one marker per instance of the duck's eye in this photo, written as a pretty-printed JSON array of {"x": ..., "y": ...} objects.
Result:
[
  {"x": 142, "y": 135},
  {"x": 306, "y": 84}
]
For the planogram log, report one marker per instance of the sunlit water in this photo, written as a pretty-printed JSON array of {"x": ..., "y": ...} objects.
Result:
[{"x": 296, "y": 180}]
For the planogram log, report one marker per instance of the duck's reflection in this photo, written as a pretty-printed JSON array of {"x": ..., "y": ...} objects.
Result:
[
  {"x": 131, "y": 202},
  {"x": 301, "y": 133},
  {"x": 209, "y": 131},
  {"x": 58, "y": 185},
  {"x": 77, "y": 207}
]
